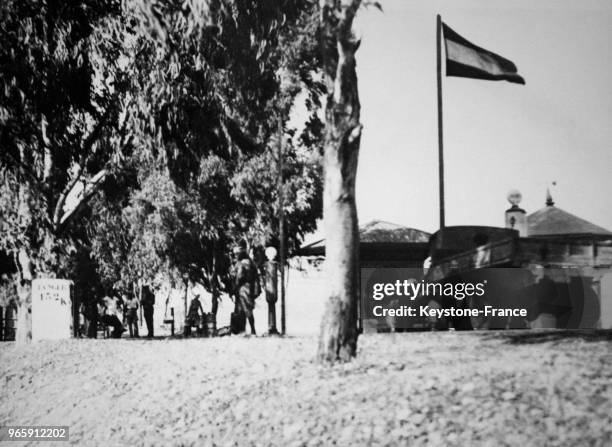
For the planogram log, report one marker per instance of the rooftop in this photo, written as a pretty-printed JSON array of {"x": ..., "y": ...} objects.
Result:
[
  {"x": 377, "y": 231},
  {"x": 553, "y": 221}
]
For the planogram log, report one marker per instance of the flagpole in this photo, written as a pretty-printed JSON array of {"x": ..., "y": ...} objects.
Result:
[{"x": 440, "y": 134}]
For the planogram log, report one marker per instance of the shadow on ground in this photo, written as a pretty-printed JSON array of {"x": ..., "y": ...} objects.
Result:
[{"x": 551, "y": 335}]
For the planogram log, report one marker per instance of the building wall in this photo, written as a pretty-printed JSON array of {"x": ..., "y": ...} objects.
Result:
[
  {"x": 305, "y": 295},
  {"x": 605, "y": 287}
]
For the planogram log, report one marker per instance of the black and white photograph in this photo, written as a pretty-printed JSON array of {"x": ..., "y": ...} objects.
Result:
[{"x": 305, "y": 223}]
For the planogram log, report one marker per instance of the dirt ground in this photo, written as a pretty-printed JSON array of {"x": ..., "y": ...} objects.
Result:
[{"x": 487, "y": 388}]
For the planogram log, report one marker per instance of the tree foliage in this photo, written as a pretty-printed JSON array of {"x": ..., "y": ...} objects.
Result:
[
  {"x": 58, "y": 112},
  {"x": 208, "y": 96},
  {"x": 60, "y": 98},
  {"x": 157, "y": 125}
]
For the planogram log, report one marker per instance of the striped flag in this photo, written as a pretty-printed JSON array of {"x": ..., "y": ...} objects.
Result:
[{"x": 466, "y": 60}]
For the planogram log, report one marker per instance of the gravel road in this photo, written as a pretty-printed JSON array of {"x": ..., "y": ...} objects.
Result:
[{"x": 445, "y": 388}]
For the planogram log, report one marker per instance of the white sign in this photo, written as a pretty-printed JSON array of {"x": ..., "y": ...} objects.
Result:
[{"x": 51, "y": 309}]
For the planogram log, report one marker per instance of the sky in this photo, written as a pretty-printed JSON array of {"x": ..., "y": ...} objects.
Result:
[{"x": 497, "y": 135}]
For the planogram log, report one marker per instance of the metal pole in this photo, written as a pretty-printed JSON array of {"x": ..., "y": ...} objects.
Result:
[
  {"x": 440, "y": 134},
  {"x": 185, "y": 301},
  {"x": 172, "y": 324},
  {"x": 281, "y": 226}
]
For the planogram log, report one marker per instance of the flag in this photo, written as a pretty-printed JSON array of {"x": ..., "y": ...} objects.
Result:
[{"x": 466, "y": 60}]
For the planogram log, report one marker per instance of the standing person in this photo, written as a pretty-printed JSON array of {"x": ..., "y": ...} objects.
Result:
[
  {"x": 131, "y": 307},
  {"x": 148, "y": 303},
  {"x": 245, "y": 284},
  {"x": 194, "y": 316},
  {"x": 90, "y": 312},
  {"x": 238, "y": 319}
]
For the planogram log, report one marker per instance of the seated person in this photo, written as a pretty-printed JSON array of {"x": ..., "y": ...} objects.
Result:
[
  {"x": 193, "y": 315},
  {"x": 109, "y": 315}
]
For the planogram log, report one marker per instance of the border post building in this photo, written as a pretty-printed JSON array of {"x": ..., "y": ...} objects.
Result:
[
  {"x": 382, "y": 245},
  {"x": 573, "y": 254}
]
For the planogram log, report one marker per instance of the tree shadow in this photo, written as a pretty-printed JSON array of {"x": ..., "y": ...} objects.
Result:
[
  {"x": 145, "y": 338},
  {"x": 533, "y": 336}
]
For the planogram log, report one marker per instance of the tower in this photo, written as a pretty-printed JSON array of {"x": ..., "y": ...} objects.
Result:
[{"x": 516, "y": 217}]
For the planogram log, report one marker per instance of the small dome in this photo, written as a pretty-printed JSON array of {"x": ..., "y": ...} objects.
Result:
[
  {"x": 380, "y": 231},
  {"x": 377, "y": 231}
]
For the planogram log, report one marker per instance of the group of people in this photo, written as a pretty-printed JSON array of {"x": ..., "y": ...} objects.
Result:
[
  {"x": 245, "y": 285},
  {"x": 118, "y": 311}
]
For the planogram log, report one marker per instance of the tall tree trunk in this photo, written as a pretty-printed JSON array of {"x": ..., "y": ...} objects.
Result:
[
  {"x": 214, "y": 288},
  {"x": 338, "y": 336},
  {"x": 215, "y": 302}
]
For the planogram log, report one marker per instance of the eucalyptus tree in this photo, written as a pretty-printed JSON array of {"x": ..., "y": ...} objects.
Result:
[
  {"x": 212, "y": 83},
  {"x": 338, "y": 336},
  {"x": 60, "y": 92}
]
